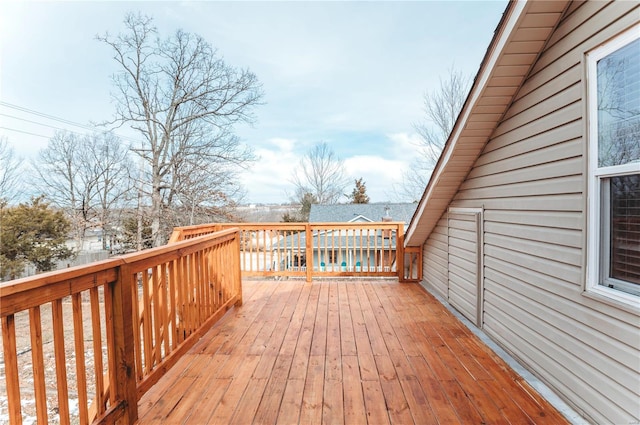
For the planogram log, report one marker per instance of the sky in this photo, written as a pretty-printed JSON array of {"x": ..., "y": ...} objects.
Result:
[{"x": 351, "y": 74}]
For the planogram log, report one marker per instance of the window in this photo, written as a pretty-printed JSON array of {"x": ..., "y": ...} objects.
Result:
[
  {"x": 333, "y": 256},
  {"x": 614, "y": 168}
]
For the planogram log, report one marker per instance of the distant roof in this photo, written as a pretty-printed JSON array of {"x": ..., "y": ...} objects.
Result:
[{"x": 345, "y": 213}]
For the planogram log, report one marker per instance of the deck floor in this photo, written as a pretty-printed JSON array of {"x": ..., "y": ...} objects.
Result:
[{"x": 352, "y": 352}]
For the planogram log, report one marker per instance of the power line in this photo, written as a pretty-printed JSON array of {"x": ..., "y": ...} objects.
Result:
[
  {"x": 54, "y": 118},
  {"x": 43, "y": 115},
  {"x": 32, "y": 122},
  {"x": 25, "y": 132},
  {"x": 37, "y": 123}
]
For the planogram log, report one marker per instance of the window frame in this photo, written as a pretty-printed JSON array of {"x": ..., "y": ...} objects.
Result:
[{"x": 598, "y": 245}]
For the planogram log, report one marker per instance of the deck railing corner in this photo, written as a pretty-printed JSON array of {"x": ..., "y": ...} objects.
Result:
[{"x": 120, "y": 324}]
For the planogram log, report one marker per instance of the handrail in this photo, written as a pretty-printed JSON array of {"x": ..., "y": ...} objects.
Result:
[
  {"x": 140, "y": 312},
  {"x": 320, "y": 249}
]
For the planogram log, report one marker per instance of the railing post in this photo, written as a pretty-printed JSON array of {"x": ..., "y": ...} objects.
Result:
[
  {"x": 124, "y": 384},
  {"x": 400, "y": 251},
  {"x": 11, "y": 368},
  {"x": 238, "y": 267},
  {"x": 176, "y": 235},
  {"x": 309, "y": 251},
  {"x": 419, "y": 263}
]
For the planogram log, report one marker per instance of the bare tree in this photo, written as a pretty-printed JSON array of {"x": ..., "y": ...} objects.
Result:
[
  {"x": 108, "y": 159},
  {"x": 86, "y": 176},
  {"x": 207, "y": 192},
  {"x": 441, "y": 108},
  {"x": 184, "y": 100},
  {"x": 65, "y": 177},
  {"x": 9, "y": 172},
  {"x": 320, "y": 174}
]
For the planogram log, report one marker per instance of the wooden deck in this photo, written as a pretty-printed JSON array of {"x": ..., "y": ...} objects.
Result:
[{"x": 350, "y": 352}]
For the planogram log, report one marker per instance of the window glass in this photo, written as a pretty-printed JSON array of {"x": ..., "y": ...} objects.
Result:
[
  {"x": 618, "y": 81},
  {"x": 625, "y": 229}
]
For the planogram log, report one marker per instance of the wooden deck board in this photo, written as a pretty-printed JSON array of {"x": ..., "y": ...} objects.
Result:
[
  {"x": 354, "y": 411},
  {"x": 313, "y": 392},
  {"x": 351, "y": 352},
  {"x": 291, "y": 405},
  {"x": 273, "y": 395}
]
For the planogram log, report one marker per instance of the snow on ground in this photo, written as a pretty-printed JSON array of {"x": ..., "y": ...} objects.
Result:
[{"x": 25, "y": 369}]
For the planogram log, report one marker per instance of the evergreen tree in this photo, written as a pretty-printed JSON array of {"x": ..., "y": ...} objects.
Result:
[
  {"x": 130, "y": 226},
  {"x": 359, "y": 194},
  {"x": 32, "y": 233},
  {"x": 303, "y": 215},
  {"x": 290, "y": 218},
  {"x": 307, "y": 200}
]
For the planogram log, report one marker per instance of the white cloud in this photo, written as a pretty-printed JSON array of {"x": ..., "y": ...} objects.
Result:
[
  {"x": 379, "y": 174},
  {"x": 268, "y": 180},
  {"x": 285, "y": 145},
  {"x": 404, "y": 144}
]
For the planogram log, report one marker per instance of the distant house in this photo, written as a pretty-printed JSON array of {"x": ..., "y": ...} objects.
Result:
[
  {"x": 350, "y": 213},
  {"x": 347, "y": 250},
  {"x": 91, "y": 242},
  {"x": 530, "y": 224}
]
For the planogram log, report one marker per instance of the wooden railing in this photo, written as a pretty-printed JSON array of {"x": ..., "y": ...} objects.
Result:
[
  {"x": 84, "y": 344},
  {"x": 92, "y": 339},
  {"x": 311, "y": 250}
]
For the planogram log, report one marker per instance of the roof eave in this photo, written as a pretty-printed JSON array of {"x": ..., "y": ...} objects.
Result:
[{"x": 453, "y": 167}]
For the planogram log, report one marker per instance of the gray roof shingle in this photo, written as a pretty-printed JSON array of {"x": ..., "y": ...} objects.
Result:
[{"x": 350, "y": 212}]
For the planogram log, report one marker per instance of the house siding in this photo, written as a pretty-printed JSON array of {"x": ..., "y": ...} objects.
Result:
[
  {"x": 435, "y": 259},
  {"x": 531, "y": 181},
  {"x": 464, "y": 256}
]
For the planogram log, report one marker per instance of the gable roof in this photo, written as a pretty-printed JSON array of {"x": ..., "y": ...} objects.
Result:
[
  {"x": 347, "y": 213},
  {"x": 517, "y": 43}
]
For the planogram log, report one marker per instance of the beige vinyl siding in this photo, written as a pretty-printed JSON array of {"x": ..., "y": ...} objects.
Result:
[
  {"x": 530, "y": 180},
  {"x": 543, "y": 203},
  {"x": 463, "y": 263},
  {"x": 435, "y": 259},
  {"x": 504, "y": 248}
]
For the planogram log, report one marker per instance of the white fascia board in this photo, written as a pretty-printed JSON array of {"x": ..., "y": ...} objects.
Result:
[
  {"x": 360, "y": 217},
  {"x": 496, "y": 54}
]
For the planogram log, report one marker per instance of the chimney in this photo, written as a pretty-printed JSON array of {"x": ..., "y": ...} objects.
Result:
[{"x": 386, "y": 219}]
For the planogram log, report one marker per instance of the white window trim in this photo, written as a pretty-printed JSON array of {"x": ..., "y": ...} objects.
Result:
[{"x": 596, "y": 175}]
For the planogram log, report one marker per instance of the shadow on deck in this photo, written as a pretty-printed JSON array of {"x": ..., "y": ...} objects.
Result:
[{"x": 351, "y": 352}]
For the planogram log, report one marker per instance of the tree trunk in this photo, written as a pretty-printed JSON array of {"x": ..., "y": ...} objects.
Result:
[
  {"x": 139, "y": 222},
  {"x": 156, "y": 211}
]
